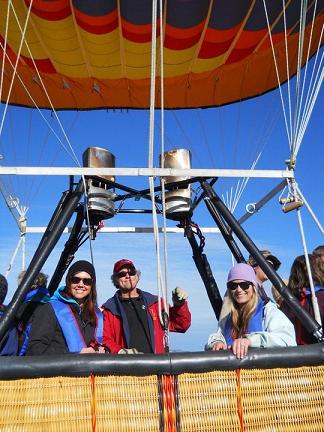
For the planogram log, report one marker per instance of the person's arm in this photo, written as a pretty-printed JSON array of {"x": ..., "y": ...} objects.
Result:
[
  {"x": 109, "y": 333},
  {"x": 217, "y": 338},
  {"x": 179, "y": 318},
  {"x": 43, "y": 328},
  {"x": 278, "y": 330}
]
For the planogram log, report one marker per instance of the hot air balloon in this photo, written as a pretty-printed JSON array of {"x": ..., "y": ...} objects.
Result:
[{"x": 74, "y": 56}]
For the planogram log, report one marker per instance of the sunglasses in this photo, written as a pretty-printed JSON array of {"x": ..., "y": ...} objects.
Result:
[
  {"x": 76, "y": 280},
  {"x": 243, "y": 285},
  {"x": 126, "y": 272}
]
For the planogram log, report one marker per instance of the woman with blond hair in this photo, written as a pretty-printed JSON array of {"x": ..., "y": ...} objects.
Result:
[{"x": 252, "y": 322}]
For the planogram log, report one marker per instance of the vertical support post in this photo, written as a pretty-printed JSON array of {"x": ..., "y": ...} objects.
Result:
[
  {"x": 70, "y": 247},
  {"x": 205, "y": 272},
  {"x": 309, "y": 323},
  {"x": 225, "y": 231}
]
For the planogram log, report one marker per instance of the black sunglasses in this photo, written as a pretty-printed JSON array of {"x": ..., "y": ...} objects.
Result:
[
  {"x": 243, "y": 285},
  {"x": 86, "y": 281},
  {"x": 126, "y": 272}
]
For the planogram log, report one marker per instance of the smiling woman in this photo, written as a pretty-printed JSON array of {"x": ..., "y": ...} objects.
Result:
[
  {"x": 71, "y": 321},
  {"x": 252, "y": 322}
]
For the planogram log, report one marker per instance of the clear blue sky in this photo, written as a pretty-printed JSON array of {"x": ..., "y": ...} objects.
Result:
[{"x": 227, "y": 137}]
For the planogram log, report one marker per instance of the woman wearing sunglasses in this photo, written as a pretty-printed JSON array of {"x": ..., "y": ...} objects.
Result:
[
  {"x": 252, "y": 322},
  {"x": 71, "y": 321}
]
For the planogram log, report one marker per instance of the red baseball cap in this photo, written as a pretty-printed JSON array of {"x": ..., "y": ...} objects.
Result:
[{"x": 124, "y": 262}]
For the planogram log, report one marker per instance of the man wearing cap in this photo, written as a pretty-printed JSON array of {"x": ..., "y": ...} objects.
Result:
[{"x": 131, "y": 316}]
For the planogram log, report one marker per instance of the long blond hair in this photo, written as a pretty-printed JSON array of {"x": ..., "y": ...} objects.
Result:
[{"x": 241, "y": 314}]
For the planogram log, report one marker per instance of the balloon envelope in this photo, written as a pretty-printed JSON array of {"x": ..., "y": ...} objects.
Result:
[{"x": 97, "y": 54}]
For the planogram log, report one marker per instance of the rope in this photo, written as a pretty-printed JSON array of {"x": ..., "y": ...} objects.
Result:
[
  {"x": 310, "y": 210},
  {"x": 317, "y": 314},
  {"x": 4, "y": 48},
  {"x": 93, "y": 402},
  {"x": 306, "y": 67},
  {"x": 165, "y": 243},
  {"x": 160, "y": 280},
  {"x": 72, "y": 152},
  {"x": 276, "y": 68},
  {"x": 16, "y": 64},
  {"x": 239, "y": 399},
  {"x": 302, "y": 24}
]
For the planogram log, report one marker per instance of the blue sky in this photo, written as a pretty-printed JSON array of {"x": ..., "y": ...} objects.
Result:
[{"x": 227, "y": 137}]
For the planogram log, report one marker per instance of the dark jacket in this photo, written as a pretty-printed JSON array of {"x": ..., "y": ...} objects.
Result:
[
  {"x": 9, "y": 344},
  {"x": 46, "y": 336},
  {"x": 25, "y": 313}
]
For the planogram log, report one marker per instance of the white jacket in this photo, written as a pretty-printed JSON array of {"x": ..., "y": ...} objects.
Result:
[{"x": 278, "y": 330}]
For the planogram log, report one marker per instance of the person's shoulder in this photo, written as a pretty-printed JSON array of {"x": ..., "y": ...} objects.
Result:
[
  {"x": 149, "y": 298},
  {"x": 111, "y": 303},
  {"x": 43, "y": 308}
]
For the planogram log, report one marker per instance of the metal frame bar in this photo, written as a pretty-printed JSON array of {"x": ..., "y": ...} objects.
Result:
[{"x": 146, "y": 172}]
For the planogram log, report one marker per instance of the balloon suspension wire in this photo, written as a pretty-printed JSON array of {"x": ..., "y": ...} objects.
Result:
[
  {"x": 23, "y": 32},
  {"x": 317, "y": 314},
  {"x": 302, "y": 111},
  {"x": 71, "y": 152},
  {"x": 311, "y": 102},
  {"x": 4, "y": 48},
  {"x": 277, "y": 70},
  {"x": 304, "y": 77},
  {"x": 23, "y": 40},
  {"x": 35, "y": 104},
  {"x": 316, "y": 220},
  {"x": 160, "y": 280},
  {"x": 165, "y": 239},
  {"x": 302, "y": 25}
]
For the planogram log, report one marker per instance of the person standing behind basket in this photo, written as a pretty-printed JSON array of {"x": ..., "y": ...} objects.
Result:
[
  {"x": 252, "y": 322},
  {"x": 299, "y": 285},
  {"x": 131, "y": 316},
  {"x": 71, "y": 321}
]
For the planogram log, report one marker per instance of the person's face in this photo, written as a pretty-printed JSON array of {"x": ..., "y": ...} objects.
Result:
[
  {"x": 80, "y": 285},
  {"x": 262, "y": 277},
  {"x": 241, "y": 291},
  {"x": 127, "y": 278}
]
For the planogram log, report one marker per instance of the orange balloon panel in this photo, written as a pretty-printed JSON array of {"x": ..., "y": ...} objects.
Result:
[{"x": 97, "y": 54}]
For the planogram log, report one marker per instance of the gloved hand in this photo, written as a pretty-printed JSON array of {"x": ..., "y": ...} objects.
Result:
[
  {"x": 129, "y": 351},
  {"x": 179, "y": 296}
]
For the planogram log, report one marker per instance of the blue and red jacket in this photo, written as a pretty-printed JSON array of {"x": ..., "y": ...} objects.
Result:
[
  {"x": 116, "y": 333},
  {"x": 70, "y": 327}
]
